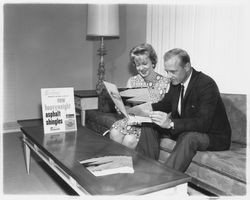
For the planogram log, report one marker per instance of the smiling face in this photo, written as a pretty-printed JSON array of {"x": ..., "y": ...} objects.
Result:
[
  {"x": 143, "y": 65},
  {"x": 176, "y": 72},
  {"x": 144, "y": 58}
]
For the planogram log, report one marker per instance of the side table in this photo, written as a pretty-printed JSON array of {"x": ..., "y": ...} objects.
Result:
[{"x": 85, "y": 100}]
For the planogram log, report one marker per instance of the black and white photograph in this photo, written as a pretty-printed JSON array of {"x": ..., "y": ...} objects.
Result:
[{"x": 182, "y": 65}]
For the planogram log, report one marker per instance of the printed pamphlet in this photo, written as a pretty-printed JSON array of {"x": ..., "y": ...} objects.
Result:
[
  {"x": 58, "y": 109},
  {"x": 107, "y": 165},
  {"x": 116, "y": 97},
  {"x": 136, "y": 95}
]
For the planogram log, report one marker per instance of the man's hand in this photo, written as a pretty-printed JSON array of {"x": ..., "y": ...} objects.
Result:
[{"x": 161, "y": 118}]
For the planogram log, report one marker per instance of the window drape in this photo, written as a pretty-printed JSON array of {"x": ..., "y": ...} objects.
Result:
[{"x": 215, "y": 36}]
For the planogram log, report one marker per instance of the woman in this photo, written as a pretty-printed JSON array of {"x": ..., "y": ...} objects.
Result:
[{"x": 144, "y": 58}]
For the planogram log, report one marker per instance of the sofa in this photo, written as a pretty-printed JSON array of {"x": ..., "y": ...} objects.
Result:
[{"x": 216, "y": 172}]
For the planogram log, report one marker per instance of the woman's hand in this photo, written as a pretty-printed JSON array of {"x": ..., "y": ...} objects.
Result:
[{"x": 132, "y": 120}]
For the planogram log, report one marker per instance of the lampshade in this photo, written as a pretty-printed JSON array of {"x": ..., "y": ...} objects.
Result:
[{"x": 103, "y": 20}]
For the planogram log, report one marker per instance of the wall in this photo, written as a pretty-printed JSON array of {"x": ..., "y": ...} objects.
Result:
[{"x": 46, "y": 46}]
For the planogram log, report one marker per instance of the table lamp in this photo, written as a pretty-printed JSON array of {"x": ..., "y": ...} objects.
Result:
[{"x": 103, "y": 23}]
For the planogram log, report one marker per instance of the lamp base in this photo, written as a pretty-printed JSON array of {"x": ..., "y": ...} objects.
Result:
[
  {"x": 101, "y": 69},
  {"x": 100, "y": 78}
]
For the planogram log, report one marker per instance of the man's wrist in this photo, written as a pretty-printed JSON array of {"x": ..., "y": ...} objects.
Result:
[{"x": 171, "y": 125}]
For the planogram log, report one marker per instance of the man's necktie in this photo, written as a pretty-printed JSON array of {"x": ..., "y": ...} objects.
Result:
[
  {"x": 181, "y": 96},
  {"x": 180, "y": 104}
]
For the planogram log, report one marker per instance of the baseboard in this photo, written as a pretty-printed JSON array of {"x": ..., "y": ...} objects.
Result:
[{"x": 9, "y": 127}]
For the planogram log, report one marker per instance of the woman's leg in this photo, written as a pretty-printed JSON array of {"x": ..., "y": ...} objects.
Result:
[
  {"x": 130, "y": 141},
  {"x": 116, "y": 135},
  {"x": 117, "y": 129}
]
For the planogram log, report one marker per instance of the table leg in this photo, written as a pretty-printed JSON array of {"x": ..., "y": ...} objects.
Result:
[
  {"x": 27, "y": 157},
  {"x": 83, "y": 113}
]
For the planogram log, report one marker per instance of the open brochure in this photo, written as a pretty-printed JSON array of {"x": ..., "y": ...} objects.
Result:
[
  {"x": 116, "y": 97},
  {"x": 136, "y": 95},
  {"x": 106, "y": 165}
]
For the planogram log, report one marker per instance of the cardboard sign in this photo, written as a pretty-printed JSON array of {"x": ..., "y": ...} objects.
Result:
[{"x": 58, "y": 110}]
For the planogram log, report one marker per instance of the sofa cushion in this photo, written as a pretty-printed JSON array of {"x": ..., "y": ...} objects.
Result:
[
  {"x": 215, "y": 181},
  {"x": 215, "y": 168},
  {"x": 231, "y": 162},
  {"x": 167, "y": 144},
  {"x": 105, "y": 103},
  {"x": 100, "y": 121},
  {"x": 235, "y": 105}
]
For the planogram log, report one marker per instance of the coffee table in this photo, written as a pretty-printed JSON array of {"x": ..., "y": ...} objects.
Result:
[{"x": 63, "y": 151}]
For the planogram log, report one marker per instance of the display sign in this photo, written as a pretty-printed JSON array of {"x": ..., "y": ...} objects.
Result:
[{"x": 58, "y": 110}]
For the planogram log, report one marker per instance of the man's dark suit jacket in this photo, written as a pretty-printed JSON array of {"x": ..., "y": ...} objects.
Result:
[{"x": 203, "y": 110}]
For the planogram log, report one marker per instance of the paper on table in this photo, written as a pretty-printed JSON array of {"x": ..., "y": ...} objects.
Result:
[{"x": 107, "y": 165}]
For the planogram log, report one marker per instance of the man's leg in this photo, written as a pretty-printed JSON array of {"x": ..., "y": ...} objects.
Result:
[
  {"x": 149, "y": 142},
  {"x": 187, "y": 144}
]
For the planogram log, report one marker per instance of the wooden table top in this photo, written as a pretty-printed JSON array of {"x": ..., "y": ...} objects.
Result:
[{"x": 67, "y": 149}]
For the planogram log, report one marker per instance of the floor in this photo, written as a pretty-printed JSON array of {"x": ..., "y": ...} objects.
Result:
[{"x": 15, "y": 178}]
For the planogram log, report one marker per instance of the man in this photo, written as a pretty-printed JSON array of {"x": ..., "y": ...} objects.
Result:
[{"x": 197, "y": 121}]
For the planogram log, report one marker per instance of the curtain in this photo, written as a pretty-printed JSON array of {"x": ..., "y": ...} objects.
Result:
[{"x": 214, "y": 35}]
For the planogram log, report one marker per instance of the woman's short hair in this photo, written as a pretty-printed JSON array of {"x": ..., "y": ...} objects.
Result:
[
  {"x": 143, "y": 49},
  {"x": 180, "y": 53}
]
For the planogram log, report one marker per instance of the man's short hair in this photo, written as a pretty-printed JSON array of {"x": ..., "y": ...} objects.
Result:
[{"x": 180, "y": 53}]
